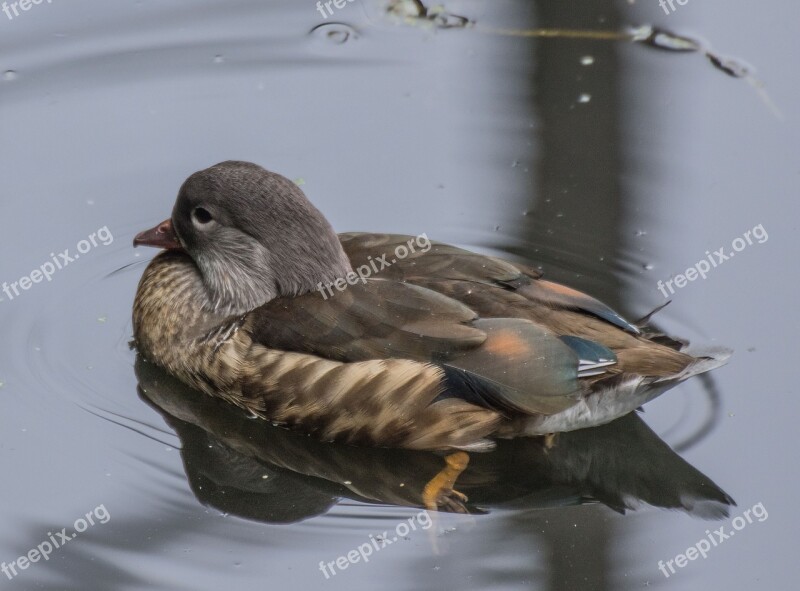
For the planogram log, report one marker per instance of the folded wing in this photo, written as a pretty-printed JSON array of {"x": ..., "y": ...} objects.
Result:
[{"x": 506, "y": 364}]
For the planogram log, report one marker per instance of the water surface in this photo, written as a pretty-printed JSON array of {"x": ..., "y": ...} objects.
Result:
[{"x": 611, "y": 165}]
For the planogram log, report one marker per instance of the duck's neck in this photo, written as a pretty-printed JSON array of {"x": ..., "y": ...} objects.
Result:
[{"x": 241, "y": 276}]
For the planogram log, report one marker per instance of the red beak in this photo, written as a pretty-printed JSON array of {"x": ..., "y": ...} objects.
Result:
[{"x": 162, "y": 236}]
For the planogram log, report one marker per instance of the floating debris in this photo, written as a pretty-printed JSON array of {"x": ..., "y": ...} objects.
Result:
[
  {"x": 730, "y": 66},
  {"x": 669, "y": 41},
  {"x": 587, "y": 60},
  {"x": 663, "y": 39},
  {"x": 414, "y": 12}
]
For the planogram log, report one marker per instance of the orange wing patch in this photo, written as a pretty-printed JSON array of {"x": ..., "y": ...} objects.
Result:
[
  {"x": 563, "y": 289},
  {"x": 507, "y": 343}
]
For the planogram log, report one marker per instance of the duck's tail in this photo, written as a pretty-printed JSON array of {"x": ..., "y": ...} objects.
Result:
[{"x": 620, "y": 394}]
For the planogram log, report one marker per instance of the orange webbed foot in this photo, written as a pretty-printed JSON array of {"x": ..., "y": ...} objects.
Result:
[{"x": 439, "y": 494}]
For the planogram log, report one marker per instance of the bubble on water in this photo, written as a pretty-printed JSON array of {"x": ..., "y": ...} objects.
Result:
[
  {"x": 334, "y": 33},
  {"x": 587, "y": 60},
  {"x": 648, "y": 266},
  {"x": 640, "y": 233},
  {"x": 10, "y": 75},
  {"x": 219, "y": 59},
  {"x": 584, "y": 98}
]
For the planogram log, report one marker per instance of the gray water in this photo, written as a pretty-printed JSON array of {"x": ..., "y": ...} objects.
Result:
[{"x": 610, "y": 164}]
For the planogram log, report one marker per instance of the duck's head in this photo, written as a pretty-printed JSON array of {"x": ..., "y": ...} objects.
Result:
[{"x": 253, "y": 235}]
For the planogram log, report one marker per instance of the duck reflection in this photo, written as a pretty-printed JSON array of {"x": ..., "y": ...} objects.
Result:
[{"x": 249, "y": 468}]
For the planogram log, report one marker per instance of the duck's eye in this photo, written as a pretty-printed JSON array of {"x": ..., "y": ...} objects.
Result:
[{"x": 202, "y": 215}]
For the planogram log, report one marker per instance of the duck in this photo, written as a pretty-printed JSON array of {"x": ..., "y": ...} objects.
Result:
[{"x": 382, "y": 340}]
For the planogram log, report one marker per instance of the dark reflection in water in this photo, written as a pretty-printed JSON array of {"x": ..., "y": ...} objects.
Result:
[
  {"x": 578, "y": 199},
  {"x": 249, "y": 468}
]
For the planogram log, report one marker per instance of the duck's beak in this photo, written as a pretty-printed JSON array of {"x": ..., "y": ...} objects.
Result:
[{"x": 162, "y": 236}]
